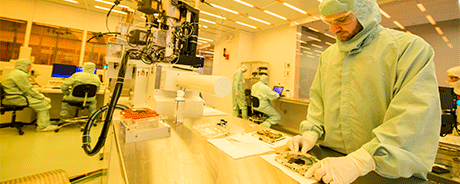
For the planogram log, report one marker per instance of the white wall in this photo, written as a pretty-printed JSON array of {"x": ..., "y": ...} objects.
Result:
[{"x": 277, "y": 46}]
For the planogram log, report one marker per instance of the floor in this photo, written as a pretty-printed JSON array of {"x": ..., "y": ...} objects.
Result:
[{"x": 38, "y": 152}]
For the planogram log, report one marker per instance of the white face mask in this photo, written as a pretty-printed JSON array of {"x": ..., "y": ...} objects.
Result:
[{"x": 456, "y": 86}]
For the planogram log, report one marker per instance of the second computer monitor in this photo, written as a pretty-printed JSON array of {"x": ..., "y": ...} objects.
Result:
[{"x": 62, "y": 70}]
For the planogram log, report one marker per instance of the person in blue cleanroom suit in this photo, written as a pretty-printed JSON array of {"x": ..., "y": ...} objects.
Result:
[
  {"x": 374, "y": 97},
  {"x": 85, "y": 77},
  {"x": 265, "y": 94},
  {"x": 17, "y": 82},
  {"x": 238, "y": 96}
]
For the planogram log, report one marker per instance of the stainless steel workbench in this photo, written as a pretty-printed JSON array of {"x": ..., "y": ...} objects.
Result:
[{"x": 187, "y": 157}]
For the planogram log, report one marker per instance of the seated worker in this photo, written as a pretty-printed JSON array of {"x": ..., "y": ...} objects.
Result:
[
  {"x": 17, "y": 82},
  {"x": 265, "y": 95},
  {"x": 85, "y": 77}
]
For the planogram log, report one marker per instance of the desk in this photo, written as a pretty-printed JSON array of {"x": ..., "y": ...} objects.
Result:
[
  {"x": 56, "y": 98},
  {"x": 187, "y": 157}
]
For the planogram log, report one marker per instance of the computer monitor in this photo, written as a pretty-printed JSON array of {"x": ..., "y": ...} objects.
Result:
[
  {"x": 80, "y": 69},
  {"x": 278, "y": 89},
  {"x": 63, "y": 71},
  {"x": 449, "y": 107}
]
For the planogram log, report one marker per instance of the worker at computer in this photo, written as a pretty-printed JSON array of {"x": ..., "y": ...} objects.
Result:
[
  {"x": 17, "y": 82},
  {"x": 265, "y": 94},
  {"x": 85, "y": 77}
]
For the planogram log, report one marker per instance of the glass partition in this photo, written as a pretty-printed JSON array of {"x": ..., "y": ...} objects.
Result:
[{"x": 12, "y": 33}]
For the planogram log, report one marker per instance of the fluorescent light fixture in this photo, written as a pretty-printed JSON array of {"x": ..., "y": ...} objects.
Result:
[
  {"x": 72, "y": 1},
  {"x": 274, "y": 14},
  {"x": 409, "y": 32},
  {"x": 294, "y": 8},
  {"x": 399, "y": 25},
  {"x": 384, "y": 13},
  {"x": 303, "y": 47},
  {"x": 207, "y": 52},
  {"x": 421, "y": 7},
  {"x": 430, "y": 19},
  {"x": 207, "y": 39},
  {"x": 319, "y": 51},
  {"x": 110, "y": 3},
  {"x": 225, "y": 9},
  {"x": 210, "y": 14},
  {"x": 329, "y": 35},
  {"x": 202, "y": 41},
  {"x": 296, "y": 23},
  {"x": 313, "y": 29},
  {"x": 313, "y": 38},
  {"x": 116, "y": 11},
  {"x": 299, "y": 34},
  {"x": 208, "y": 21},
  {"x": 306, "y": 52},
  {"x": 450, "y": 45},
  {"x": 445, "y": 39},
  {"x": 310, "y": 56},
  {"x": 256, "y": 19},
  {"x": 439, "y": 30},
  {"x": 199, "y": 43},
  {"x": 247, "y": 25},
  {"x": 319, "y": 55},
  {"x": 317, "y": 46},
  {"x": 315, "y": 17},
  {"x": 320, "y": 0},
  {"x": 245, "y": 3},
  {"x": 203, "y": 26},
  {"x": 329, "y": 43}
]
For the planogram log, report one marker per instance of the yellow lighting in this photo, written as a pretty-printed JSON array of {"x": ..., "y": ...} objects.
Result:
[
  {"x": 421, "y": 7},
  {"x": 384, "y": 13},
  {"x": 225, "y": 9},
  {"x": 430, "y": 19},
  {"x": 408, "y": 32},
  {"x": 208, "y": 21},
  {"x": 247, "y": 25},
  {"x": 450, "y": 45},
  {"x": 110, "y": 3},
  {"x": 314, "y": 45},
  {"x": 439, "y": 30},
  {"x": 329, "y": 35},
  {"x": 256, "y": 19},
  {"x": 274, "y": 14},
  {"x": 296, "y": 23},
  {"x": 116, "y": 11},
  {"x": 203, "y": 26},
  {"x": 445, "y": 39},
  {"x": 294, "y": 8},
  {"x": 207, "y": 39},
  {"x": 210, "y": 14},
  {"x": 318, "y": 51},
  {"x": 202, "y": 41},
  {"x": 399, "y": 25},
  {"x": 329, "y": 43},
  {"x": 72, "y": 1},
  {"x": 313, "y": 38},
  {"x": 245, "y": 3},
  {"x": 313, "y": 29}
]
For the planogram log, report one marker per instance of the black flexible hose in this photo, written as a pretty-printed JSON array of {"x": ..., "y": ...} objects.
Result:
[{"x": 111, "y": 108}]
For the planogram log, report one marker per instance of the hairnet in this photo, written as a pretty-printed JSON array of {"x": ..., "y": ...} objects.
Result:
[
  {"x": 264, "y": 79},
  {"x": 329, "y": 7},
  {"x": 21, "y": 64},
  {"x": 89, "y": 67}
]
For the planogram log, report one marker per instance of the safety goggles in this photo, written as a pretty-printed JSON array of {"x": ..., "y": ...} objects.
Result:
[{"x": 345, "y": 19}]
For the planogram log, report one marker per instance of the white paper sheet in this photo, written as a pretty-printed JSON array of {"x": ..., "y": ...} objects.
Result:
[
  {"x": 241, "y": 145},
  {"x": 294, "y": 175},
  {"x": 208, "y": 111}
]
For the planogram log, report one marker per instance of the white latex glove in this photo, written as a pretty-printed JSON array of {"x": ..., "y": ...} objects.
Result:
[
  {"x": 306, "y": 141},
  {"x": 48, "y": 99},
  {"x": 342, "y": 170}
]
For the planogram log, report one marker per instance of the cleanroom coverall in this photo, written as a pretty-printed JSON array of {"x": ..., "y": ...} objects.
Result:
[
  {"x": 85, "y": 77},
  {"x": 265, "y": 95},
  {"x": 17, "y": 82},
  {"x": 378, "y": 91},
  {"x": 239, "y": 102}
]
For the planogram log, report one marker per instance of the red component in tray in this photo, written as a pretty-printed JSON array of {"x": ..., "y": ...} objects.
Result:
[{"x": 138, "y": 113}]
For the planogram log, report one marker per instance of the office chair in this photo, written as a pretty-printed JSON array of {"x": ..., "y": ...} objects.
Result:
[
  {"x": 256, "y": 116},
  {"x": 85, "y": 91},
  {"x": 5, "y": 108}
]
